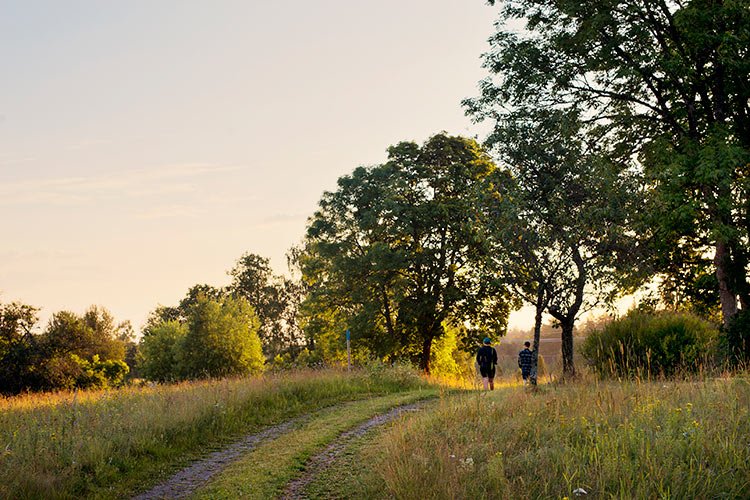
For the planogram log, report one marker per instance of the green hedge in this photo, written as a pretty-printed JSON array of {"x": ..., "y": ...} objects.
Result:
[{"x": 653, "y": 343}]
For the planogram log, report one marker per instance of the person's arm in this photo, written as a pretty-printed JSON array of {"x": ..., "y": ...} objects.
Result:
[
  {"x": 494, "y": 356},
  {"x": 519, "y": 360}
]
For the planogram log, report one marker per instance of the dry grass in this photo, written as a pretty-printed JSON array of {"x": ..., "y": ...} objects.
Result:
[
  {"x": 657, "y": 439},
  {"x": 106, "y": 444}
]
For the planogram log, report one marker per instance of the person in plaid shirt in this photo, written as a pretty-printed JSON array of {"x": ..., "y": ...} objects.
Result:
[{"x": 524, "y": 362}]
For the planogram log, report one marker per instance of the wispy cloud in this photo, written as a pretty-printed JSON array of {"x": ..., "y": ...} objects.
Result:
[
  {"x": 280, "y": 220},
  {"x": 169, "y": 211},
  {"x": 5, "y": 160},
  {"x": 138, "y": 183},
  {"x": 85, "y": 144}
]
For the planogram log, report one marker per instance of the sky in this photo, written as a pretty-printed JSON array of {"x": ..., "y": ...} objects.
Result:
[{"x": 146, "y": 145}]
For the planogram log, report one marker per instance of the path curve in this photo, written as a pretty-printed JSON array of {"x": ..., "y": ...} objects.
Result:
[
  {"x": 323, "y": 460},
  {"x": 191, "y": 477}
]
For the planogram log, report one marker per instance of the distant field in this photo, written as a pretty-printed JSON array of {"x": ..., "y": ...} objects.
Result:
[{"x": 550, "y": 348}]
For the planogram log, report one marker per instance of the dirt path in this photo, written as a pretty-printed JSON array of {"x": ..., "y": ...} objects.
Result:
[
  {"x": 320, "y": 462},
  {"x": 187, "y": 480}
]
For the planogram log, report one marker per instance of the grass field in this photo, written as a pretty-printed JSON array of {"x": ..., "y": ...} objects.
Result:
[
  {"x": 659, "y": 439},
  {"x": 109, "y": 444},
  {"x": 614, "y": 439}
]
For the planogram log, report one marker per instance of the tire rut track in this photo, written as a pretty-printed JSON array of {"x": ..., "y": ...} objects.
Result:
[
  {"x": 320, "y": 462},
  {"x": 186, "y": 481}
]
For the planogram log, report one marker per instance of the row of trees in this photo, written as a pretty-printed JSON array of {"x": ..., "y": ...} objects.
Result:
[{"x": 622, "y": 132}]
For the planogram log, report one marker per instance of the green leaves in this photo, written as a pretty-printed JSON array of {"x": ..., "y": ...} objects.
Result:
[
  {"x": 659, "y": 88},
  {"x": 395, "y": 250}
]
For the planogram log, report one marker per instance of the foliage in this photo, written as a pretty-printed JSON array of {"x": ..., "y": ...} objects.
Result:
[
  {"x": 60, "y": 356},
  {"x": 221, "y": 340},
  {"x": 20, "y": 355},
  {"x": 218, "y": 338},
  {"x": 446, "y": 357},
  {"x": 393, "y": 253},
  {"x": 97, "y": 374},
  {"x": 661, "y": 83},
  {"x": 651, "y": 342},
  {"x": 126, "y": 335},
  {"x": 274, "y": 299},
  {"x": 736, "y": 338},
  {"x": 159, "y": 350}
]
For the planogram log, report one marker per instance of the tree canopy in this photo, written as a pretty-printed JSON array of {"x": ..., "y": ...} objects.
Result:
[
  {"x": 393, "y": 253},
  {"x": 663, "y": 87}
]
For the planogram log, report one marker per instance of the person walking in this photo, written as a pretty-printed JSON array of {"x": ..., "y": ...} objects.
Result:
[
  {"x": 487, "y": 361},
  {"x": 524, "y": 362}
]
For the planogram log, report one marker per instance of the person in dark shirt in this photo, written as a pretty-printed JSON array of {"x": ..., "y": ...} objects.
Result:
[
  {"x": 524, "y": 362},
  {"x": 487, "y": 361}
]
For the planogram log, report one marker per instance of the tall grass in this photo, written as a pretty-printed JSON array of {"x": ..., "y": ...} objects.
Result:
[
  {"x": 612, "y": 439},
  {"x": 105, "y": 444}
]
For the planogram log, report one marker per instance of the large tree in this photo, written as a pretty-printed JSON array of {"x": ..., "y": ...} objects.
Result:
[
  {"x": 393, "y": 252},
  {"x": 563, "y": 228},
  {"x": 664, "y": 82}
]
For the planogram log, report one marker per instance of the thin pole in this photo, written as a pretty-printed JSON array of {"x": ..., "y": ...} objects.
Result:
[{"x": 348, "y": 353}]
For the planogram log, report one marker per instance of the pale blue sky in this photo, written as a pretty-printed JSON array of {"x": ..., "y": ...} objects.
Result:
[{"x": 146, "y": 144}]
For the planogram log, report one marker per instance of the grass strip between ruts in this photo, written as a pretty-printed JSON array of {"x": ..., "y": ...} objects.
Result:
[{"x": 264, "y": 472}]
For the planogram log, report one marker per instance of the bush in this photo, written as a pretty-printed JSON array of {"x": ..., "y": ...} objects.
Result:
[
  {"x": 736, "y": 339},
  {"x": 159, "y": 350},
  {"x": 655, "y": 342},
  {"x": 98, "y": 374}
]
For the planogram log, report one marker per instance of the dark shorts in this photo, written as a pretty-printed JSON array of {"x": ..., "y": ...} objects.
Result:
[
  {"x": 487, "y": 371},
  {"x": 525, "y": 374}
]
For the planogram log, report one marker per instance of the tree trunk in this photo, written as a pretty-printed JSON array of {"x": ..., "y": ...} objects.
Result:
[
  {"x": 726, "y": 295},
  {"x": 540, "y": 305},
  {"x": 387, "y": 313},
  {"x": 426, "y": 348},
  {"x": 569, "y": 369}
]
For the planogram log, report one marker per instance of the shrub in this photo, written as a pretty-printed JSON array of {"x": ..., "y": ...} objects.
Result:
[
  {"x": 736, "y": 339},
  {"x": 654, "y": 342},
  {"x": 99, "y": 374},
  {"x": 159, "y": 350}
]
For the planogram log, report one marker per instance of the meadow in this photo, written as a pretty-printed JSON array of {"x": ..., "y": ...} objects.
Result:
[
  {"x": 108, "y": 444},
  {"x": 660, "y": 438},
  {"x": 612, "y": 439}
]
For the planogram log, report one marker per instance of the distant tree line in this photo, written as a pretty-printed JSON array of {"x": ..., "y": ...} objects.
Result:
[{"x": 88, "y": 351}]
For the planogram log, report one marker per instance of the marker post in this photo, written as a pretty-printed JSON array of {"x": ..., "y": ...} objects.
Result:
[{"x": 348, "y": 353}]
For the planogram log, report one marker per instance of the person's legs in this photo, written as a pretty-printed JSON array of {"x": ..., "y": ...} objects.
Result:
[
  {"x": 484, "y": 379},
  {"x": 492, "y": 384}
]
